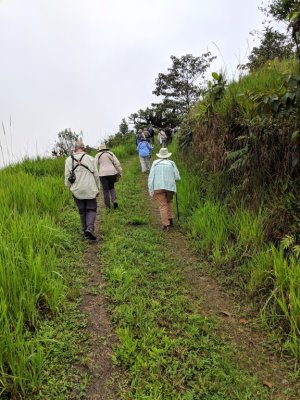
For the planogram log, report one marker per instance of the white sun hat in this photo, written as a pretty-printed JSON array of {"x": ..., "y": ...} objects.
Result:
[{"x": 163, "y": 153}]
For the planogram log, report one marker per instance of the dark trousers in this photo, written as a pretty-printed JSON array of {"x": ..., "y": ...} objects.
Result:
[
  {"x": 108, "y": 186},
  {"x": 87, "y": 211}
]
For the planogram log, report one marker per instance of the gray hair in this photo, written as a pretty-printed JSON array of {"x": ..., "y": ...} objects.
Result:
[{"x": 79, "y": 145}]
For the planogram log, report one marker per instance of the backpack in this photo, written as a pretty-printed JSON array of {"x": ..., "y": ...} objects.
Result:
[{"x": 72, "y": 177}]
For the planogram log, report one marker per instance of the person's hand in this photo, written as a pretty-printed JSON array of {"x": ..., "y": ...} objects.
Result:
[
  {"x": 151, "y": 194},
  {"x": 97, "y": 194}
]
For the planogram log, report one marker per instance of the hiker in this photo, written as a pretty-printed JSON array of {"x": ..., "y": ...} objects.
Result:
[
  {"x": 82, "y": 179},
  {"x": 162, "y": 185},
  {"x": 162, "y": 138},
  {"x": 139, "y": 136},
  {"x": 144, "y": 149},
  {"x": 169, "y": 134},
  {"x": 151, "y": 135},
  {"x": 109, "y": 170},
  {"x": 146, "y": 134}
]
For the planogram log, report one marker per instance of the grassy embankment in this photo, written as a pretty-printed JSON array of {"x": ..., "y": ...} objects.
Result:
[
  {"x": 166, "y": 348},
  {"x": 43, "y": 340},
  {"x": 39, "y": 268},
  {"x": 239, "y": 191}
]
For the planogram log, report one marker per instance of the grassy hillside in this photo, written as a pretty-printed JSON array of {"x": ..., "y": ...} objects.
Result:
[
  {"x": 40, "y": 267},
  {"x": 239, "y": 154},
  {"x": 37, "y": 228}
]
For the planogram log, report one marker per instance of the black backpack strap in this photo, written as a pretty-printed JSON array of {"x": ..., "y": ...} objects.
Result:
[
  {"x": 111, "y": 158},
  {"x": 78, "y": 162}
]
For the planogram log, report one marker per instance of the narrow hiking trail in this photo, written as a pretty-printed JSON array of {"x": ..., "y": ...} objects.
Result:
[
  {"x": 160, "y": 326},
  {"x": 102, "y": 337}
]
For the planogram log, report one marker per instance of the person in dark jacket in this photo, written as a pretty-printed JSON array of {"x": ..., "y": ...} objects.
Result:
[{"x": 151, "y": 135}]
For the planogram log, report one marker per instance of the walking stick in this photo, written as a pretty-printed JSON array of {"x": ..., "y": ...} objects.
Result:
[{"x": 177, "y": 208}]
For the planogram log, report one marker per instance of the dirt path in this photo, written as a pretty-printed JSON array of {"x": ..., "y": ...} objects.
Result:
[
  {"x": 102, "y": 385},
  {"x": 237, "y": 323}
]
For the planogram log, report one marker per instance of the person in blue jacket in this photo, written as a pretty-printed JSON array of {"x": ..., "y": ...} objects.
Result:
[{"x": 144, "y": 149}]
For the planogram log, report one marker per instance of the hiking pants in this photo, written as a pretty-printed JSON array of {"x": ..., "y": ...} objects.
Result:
[
  {"x": 108, "y": 186},
  {"x": 87, "y": 211},
  {"x": 164, "y": 200},
  {"x": 145, "y": 163}
]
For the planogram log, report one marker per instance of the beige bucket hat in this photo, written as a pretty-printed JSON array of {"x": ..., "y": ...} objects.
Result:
[
  {"x": 163, "y": 153},
  {"x": 103, "y": 147}
]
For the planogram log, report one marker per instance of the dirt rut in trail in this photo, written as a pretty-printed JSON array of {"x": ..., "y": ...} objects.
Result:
[
  {"x": 102, "y": 385},
  {"x": 238, "y": 324}
]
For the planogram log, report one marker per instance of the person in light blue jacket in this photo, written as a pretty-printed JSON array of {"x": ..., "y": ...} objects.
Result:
[
  {"x": 144, "y": 149},
  {"x": 162, "y": 185}
]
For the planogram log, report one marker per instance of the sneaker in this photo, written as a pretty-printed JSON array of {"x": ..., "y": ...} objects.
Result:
[
  {"x": 90, "y": 235},
  {"x": 165, "y": 227},
  {"x": 116, "y": 205}
]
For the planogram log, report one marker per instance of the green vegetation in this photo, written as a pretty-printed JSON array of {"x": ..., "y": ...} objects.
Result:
[
  {"x": 242, "y": 198},
  {"x": 166, "y": 348},
  {"x": 37, "y": 229},
  {"x": 238, "y": 153},
  {"x": 125, "y": 149}
]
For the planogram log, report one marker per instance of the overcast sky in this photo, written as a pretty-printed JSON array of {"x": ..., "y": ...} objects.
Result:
[{"x": 86, "y": 64}]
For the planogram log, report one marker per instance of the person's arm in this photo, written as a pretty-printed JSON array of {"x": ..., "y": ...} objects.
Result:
[
  {"x": 151, "y": 180},
  {"x": 95, "y": 170},
  {"x": 176, "y": 173},
  {"x": 117, "y": 164},
  {"x": 96, "y": 165}
]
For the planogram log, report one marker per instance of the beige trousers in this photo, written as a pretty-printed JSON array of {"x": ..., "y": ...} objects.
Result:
[{"x": 164, "y": 200}]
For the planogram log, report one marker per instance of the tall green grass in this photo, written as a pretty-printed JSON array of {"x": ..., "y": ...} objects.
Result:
[
  {"x": 233, "y": 237},
  {"x": 123, "y": 151},
  {"x": 264, "y": 80},
  {"x": 33, "y": 201}
]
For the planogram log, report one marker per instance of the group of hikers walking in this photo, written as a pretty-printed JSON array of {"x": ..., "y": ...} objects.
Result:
[
  {"x": 84, "y": 174},
  {"x": 164, "y": 136}
]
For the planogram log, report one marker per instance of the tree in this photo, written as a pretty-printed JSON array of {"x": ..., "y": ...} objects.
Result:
[
  {"x": 123, "y": 127},
  {"x": 279, "y": 9},
  {"x": 157, "y": 116},
  {"x": 65, "y": 143},
  {"x": 273, "y": 45},
  {"x": 181, "y": 86},
  {"x": 287, "y": 11}
]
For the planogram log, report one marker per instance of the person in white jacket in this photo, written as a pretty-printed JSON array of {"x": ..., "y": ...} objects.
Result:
[
  {"x": 162, "y": 138},
  {"x": 82, "y": 179},
  {"x": 109, "y": 171}
]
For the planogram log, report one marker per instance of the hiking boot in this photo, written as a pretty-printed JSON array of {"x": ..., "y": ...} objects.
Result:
[
  {"x": 116, "y": 205},
  {"x": 90, "y": 235},
  {"x": 165, "y": 228},
  {"x": 85, "y": 236}
]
